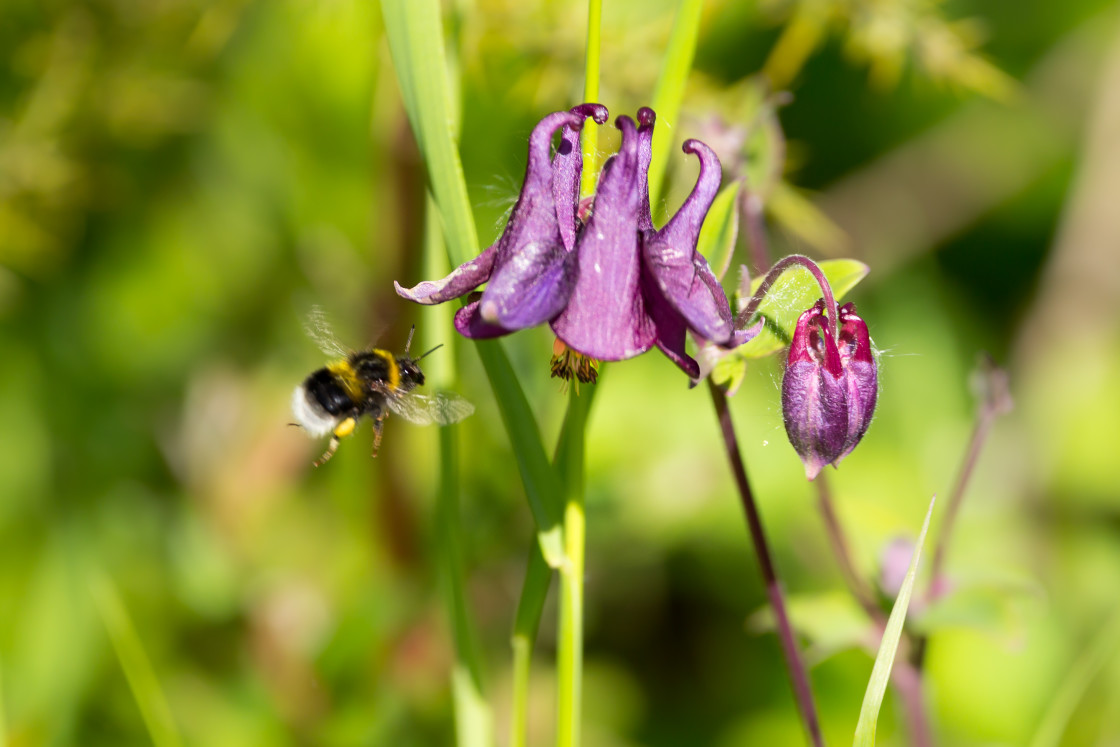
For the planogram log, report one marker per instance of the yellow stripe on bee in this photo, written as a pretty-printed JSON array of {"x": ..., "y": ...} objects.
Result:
[
  {"x": 391, "y": 364},
  {"x": 346, "y": 374}
]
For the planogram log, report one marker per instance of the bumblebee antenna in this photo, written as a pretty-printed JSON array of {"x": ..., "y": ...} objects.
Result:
[
  {"x": 408, "y": 344},
  {"x": 437, "y": 347}
]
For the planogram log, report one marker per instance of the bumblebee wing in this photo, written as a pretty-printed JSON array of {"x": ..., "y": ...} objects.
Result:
[
  {"x": 441, "y": 409},
  {"x": 318, "y": 328}
]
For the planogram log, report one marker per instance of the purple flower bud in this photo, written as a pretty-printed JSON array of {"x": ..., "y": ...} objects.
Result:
[{"x": 828, "y": 391}]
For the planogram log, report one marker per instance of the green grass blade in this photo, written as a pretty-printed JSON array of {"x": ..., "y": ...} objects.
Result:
[
  {"x": 881, "y": 672},
  {"x": 135, "y": 663},
  {"x": 416, "y": 42},
  {"x": 669, "y": 92},
  {"x": 473, "y": 717},
  {"x": 538, "y": 577},
  {"x": 590, "y": 136},
  {"x": 1062, "y": 706}
]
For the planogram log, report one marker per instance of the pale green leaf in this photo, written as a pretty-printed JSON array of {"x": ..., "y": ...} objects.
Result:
[
  {"x": 830, "y": 621},
  {"x": 793, "y": 292},
  {"x": 796, "y": 213},
  {"x": 720, "y": 229},
  {"x": 729, "y": 372},
  {"x": 669, "y": 91},
  {"x": 888, "y": 647}
]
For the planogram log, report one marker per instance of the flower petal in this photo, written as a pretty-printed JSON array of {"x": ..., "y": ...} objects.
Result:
[
  {"x": 861, "y": 375},
  {"x": 605, "y": 317},
  {"x": 567, "y": 166},
  {"x": 469, "y": 323},
  {"x": 681, "y": 274},
  {"x": 532, "y": 289},
  {"x": 646, "y": 120},
  {"x": 533, "y": 274},
  {"x": 463, "y": 279}
]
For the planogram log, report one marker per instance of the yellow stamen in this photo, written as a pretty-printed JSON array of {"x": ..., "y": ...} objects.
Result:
[{"x": 567, "y": 363}]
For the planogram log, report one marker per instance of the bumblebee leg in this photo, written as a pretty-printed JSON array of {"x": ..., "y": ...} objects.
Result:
[
  {"x": 377, "y": 425},
  {"x": 332, "y": 447},
  {"x": 344, "y": 428}
]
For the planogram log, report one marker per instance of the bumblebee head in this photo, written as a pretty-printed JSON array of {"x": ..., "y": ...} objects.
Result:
[{"x": 411, "y": 375}]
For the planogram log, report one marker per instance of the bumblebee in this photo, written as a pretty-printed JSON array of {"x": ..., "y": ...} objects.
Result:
[{"x": 370, "y": 382}]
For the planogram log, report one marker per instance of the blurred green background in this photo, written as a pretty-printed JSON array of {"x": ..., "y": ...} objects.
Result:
[{"x": 180, "y": 181}]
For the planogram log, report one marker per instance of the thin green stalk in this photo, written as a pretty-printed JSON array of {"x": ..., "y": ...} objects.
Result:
[
  {"x": 473, "y": 719},
  {"x": 415, "y": 37},
  {"x": 142, "y": 679},
  {"x": 473, "y": 722},
  {"x": 568, "y": 463},
  {"x": 669, "y": 92},
  {"x": 591, "y": 94},
  {"x": 538, "y": 576},
  {"x": 3, "y": 711},
  {"x": 569, "y": 666}
]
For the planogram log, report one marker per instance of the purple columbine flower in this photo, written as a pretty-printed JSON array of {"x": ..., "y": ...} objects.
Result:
[
  {"x": 829, "y": 389},
  {"x": 638, "y": 286},
  {"x": 612, "y": 288},
  {"x": 531, "y": 269}
]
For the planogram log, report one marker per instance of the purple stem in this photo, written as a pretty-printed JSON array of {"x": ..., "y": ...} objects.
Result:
[
  {"x": 779, "y": 267},
  {"x": 801, "y": 689},
  {"x": 980, "y": 432}
]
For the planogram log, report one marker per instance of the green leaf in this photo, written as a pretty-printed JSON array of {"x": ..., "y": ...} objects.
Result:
[
  {"x": 881, "y": 672},
  {"x": 720, "y": 229},
  {"x": 669, "y": 91},
  {"x": 798, "y": 214},
  {"x": 416, "y": 42},
  {"x": 996, "y": 606},
  {"x": 793, "y": 292},
  {"x": 134, "y": 661},
  {"x": 830, "y": 621},
  {"x": 1097, "y": 654},
  {"x": 729, "y": 373}
]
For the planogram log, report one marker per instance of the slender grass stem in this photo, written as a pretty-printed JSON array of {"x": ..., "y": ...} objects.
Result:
[
  {"x": 801, "y": 689},
  {"x": 538, "y": 576},
  {"x": 138, "y": 670},
  {"x": 473, "y": 723},
  {"x": 569, "y": 665},
  {"x": 995, "y": 400},
  {"x": 590, "y": 138}
]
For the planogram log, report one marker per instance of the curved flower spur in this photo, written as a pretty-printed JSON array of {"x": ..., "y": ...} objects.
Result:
[
  {"x": 613, "y": 288},
  {"x": 531, "y": 269}
]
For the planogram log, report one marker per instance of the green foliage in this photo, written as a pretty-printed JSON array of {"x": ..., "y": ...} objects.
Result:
[
  {"x": 888, "y": 647},
  {"x": 181, "y": 181}
]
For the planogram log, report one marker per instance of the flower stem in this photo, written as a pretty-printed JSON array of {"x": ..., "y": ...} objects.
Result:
[
  {"x": 995, "y": 400},
  {"x": 801, "y": 689},
  {"x": 569, "y": 665},
  {"x": 538, "y": 576},
  {"x": 779, "y": 267},
  {"x": 591, "y": 95}
]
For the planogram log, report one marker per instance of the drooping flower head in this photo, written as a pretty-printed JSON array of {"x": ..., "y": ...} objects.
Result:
[
  {"x": 829, "y": 388},
  {"x": 612, "y": 288}
]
